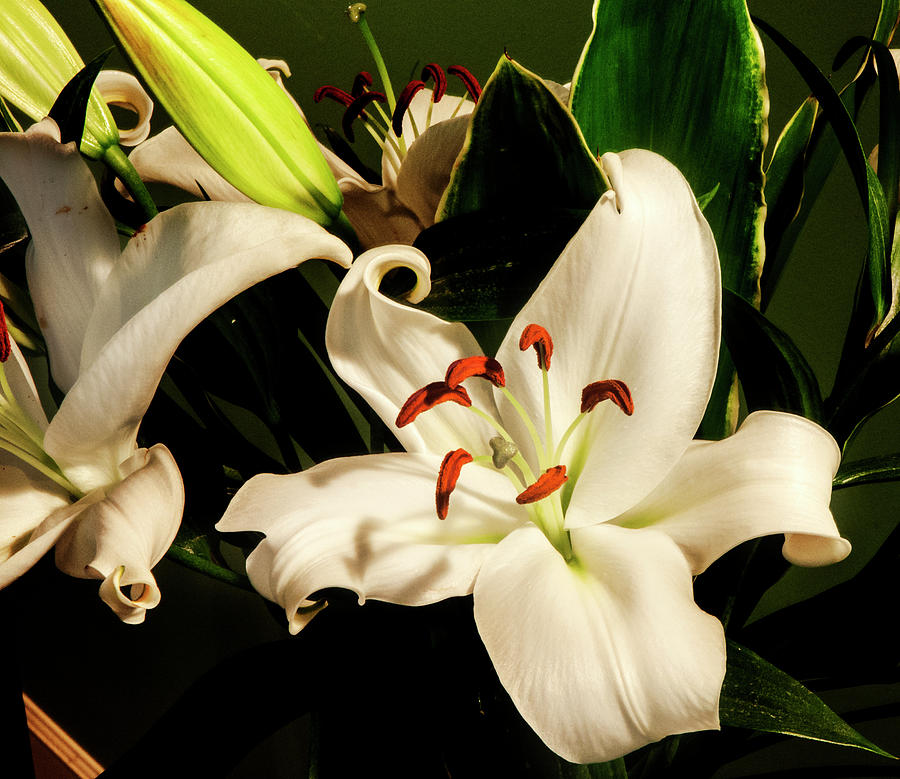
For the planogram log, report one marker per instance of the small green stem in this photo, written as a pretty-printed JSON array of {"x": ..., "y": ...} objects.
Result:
[
  {"x": 342, "y": 228},
  {"x": 116, "y": 160}
]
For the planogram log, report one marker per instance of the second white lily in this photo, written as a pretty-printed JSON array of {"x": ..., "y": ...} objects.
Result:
[{"x": 112, "y": 320}]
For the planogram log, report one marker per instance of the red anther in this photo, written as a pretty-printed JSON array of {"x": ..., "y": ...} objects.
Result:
[
  {"x": 5, "y": 345},
  {"x": 357, "y": 106},
  {"x": 333, "y": 93},
  {"x": 482, "y": 367},
  {"x": 548, "y": 483},
  {"x": 406, "y": 96},
  {"x": 361, "y": 83},
  {"x": 539, "y": 338},
  {"x": 428, "y": 397},
  {"x": 434, "y": 72},
  {"x": 447, "y": 478},
  {"x": 470, "y": 82},
  {"x": 609, "y": 389}
]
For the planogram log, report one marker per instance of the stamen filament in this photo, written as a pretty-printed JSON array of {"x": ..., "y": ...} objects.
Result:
[
  {"x": 487, "y": 461},
  {"x": 532, "y": 431},
  {"x": 51, "y": 472},
  {"x": 557, "y": 455},
  {"x": 460, "y": 104},
  {"x": 548, "y": 420}
]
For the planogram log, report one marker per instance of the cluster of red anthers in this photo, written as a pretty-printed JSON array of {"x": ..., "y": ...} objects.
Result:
[
  {"x": 361, "y": 95},
  {"x": 488, "y": 368},
  {"x": 5, "y": 346}
]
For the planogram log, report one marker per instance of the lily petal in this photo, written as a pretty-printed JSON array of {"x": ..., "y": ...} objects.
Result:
[
  {"x": 74, "y": 243},
  {"x": 606, "y": 654},
  {"x": 28, "y": 497},
  {"x": 120, "y": 538},
  {"x": 43, "y": 538},
  {"x": 635, "y": 296},
  {"x": 427, "y": 166},
  {"x": 22, "y": 385},
  {"x": 368, "y": 524},
  {"x": 168, "y": 158},
  {"x": 182, "y": 266},
  {"x": 119, "y": 88},
  {"x": 449, "y": 107},
  {"x": 386, "y": 351},
  {"x": 772, "y": 476},
  {"x": 376, "y": 214}
]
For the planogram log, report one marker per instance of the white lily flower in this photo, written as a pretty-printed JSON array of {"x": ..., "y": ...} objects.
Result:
[
  {"x": 578, "y": 529},
  {"x": 582, "y": 587},
  {"x": 415, "y": 172},
  {"x": 112, "y": 320}
]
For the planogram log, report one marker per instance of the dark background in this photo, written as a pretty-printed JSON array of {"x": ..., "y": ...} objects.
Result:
[{"x": 107, "y": 682}]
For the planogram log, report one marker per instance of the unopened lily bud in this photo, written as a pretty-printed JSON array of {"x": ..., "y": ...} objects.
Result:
[
  {"x": 36, "y": 61},
  {"x": 228, "y": 107}
]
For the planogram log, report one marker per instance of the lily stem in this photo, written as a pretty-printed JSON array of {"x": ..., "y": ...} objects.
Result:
[{"x": 116, "y": 160}]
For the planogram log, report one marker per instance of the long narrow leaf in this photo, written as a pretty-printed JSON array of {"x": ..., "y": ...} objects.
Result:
[
  {"x": 870, "y": 192},
  {"x": 773, "y": 372},
  {"x": 872, "y": 470},
  {"x": 785, "y": 190},
  {"x": 757, "y": 695}
]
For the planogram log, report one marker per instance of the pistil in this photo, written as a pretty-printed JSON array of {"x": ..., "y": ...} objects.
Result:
[
  {"x": 357, "y": 14},
  {"x": 546, "y": 496}
]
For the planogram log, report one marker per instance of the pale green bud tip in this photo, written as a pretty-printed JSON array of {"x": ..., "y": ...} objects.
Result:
[{"x": 356, "y": 11}]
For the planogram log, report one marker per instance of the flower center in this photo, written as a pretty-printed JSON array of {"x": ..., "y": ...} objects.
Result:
[
  {"x": 366, "y": 104},
  {"x": 20, "y": 435},
  {"x": 540, "y": 494}
]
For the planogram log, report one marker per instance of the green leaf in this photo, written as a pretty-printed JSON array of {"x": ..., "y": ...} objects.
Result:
[
  {"x": 819, "y": 159},
  {"x": 195, "y": 551},
  {"x": 7, "y": 119},
  {"x": 888, "y": 17},
  {"x": 785, "y": 190},
  {"x": 888, "y": 127},
  {"x": 485, "y": 265},
  {"x": 862, "y": 388},
  {"x": 614, "y": 769},
  {"x": 871, "y": 470},
  {"x": 757, "y": 695},
  {"x": 70, "y": 109},
  {"x": 705, "y": 112},
  {"x": 687, "y": 81},
  {"x": 773, "y": 372},
  {"x": 706, "y": 198},
  {"x": 523, "y": 152},
  {"x": 867, "y": 184}
]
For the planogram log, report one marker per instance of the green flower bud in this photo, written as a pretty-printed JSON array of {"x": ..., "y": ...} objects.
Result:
[
  {"x": 36, "y": 61},
  {"x": 226, "y": 105}
]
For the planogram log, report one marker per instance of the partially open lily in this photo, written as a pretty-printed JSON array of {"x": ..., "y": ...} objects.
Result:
[
  {"x": 565, "y": 493},
  {"x": 415, "y": 171},
  {"x": 112, "y": 320},
  {"x": 225, "y": 105}
]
